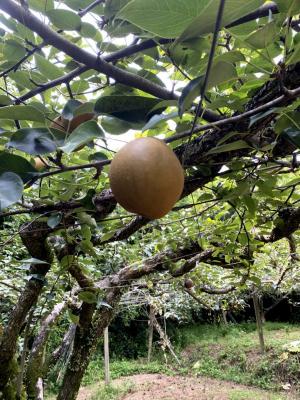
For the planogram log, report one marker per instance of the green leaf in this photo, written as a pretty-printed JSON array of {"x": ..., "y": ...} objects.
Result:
[
  {"x": 36, "y": 141},
  {"x": 66, "y": 261},
  {"x": 70, "y": 107},
  {"x": 13, "y": 51},
  {"x": 206, "y": 20},
  {"x": 11, "y": 189},
  {"x": 84, "y": 108},
  {"x": 99, "y": 156},
  {"x": 5, "y": 100},
  {"x": 47, "y": 68},
  {"x": 27, "y": 113},
  {"x": 74, "y": 318},
  {"x": 82, "y": 135},
  {"x": 88, "y": 30},
  {"x": 34, "y": 260},
  {"x": 17, "y": 164},
  {"x": 293, "y": 135},
  {"x": 156, "y": 119},
  {"x": 291, "y": 7},
  {"x": 257, "y": 117},
  {"x": 295, "y": 55},
  {"x": 115, "y": 126},
  {"x": 250, "y": 204},
  {"x": 41, "y": 5},
  {"x": 237, "y": 145},
  {"x": 107, "y": 236},
  {"x": 221, "y": 72},
  {"x": 127, "y": 108},
  {"x": 88, "y": 297},
  {"x": 78, "y": 4},
  {"x": 261, "y": 38},
  {"x": 54, "y": 220},
  {"x": 169, "y": 18},
  {"x": 64, "y": 19}
]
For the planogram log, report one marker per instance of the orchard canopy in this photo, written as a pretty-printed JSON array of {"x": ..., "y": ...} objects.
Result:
[{"x": 219, "y": 82}]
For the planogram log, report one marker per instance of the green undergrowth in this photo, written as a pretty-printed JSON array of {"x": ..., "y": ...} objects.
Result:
[
  {"x": 111, "y": 392},
  {"x": 119, "y": 368},
  {"x": 232, "y": 353}
]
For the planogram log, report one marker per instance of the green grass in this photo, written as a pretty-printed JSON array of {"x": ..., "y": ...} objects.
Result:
[
  {"x": 123, "y": 368},
  {"x": 101, "y": 392},
  {"x": 111, "y": 392},
  {"x": 250, "y": 395},
  {"x": 232, "y": 353}
]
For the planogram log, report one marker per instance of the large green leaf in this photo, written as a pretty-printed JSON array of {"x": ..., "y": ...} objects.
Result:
[
  {"x": 82, "y": 135},
  {"x": 88, "y": 297},
  {"x": 115, "y": 126},
  {"x": 127, "y": 108},
  {"x": 291, "y": 7},
  {"x": 17, "y": 164},
  {"x": 11, "y": 189},
  {"x": 170, "y": 18},
  {"x": 206, "y": 20},
  {"x": 237, "y": 145},
  {"x": 295, "y": 55},
  {"x": 41, "y": 5},
  {"x": 263, "y": 36},
  {"x": 47, "y": 68},
  {"x": 70, "y": 107},
  {"x": 13, "y": 51},
  {"x": 221, "y": 72},
  {"x": 37, "y": 141},
  {"x": 27, "y": 113},
  {"x": 64, "y": 19}
]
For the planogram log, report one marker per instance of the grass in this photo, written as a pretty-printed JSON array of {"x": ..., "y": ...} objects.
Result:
[
  {"x": 123, "y": 368},
  {"x": 99, "y": 391},
  {"x": 111, "y": 392},
  {"x": 250, "y": 395},
  {"x": 232, "y": 353}
]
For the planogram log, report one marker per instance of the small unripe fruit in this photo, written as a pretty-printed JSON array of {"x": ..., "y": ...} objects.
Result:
[
  {"x": 188, "y": 283},
  {"x": 146, "y": 177}
]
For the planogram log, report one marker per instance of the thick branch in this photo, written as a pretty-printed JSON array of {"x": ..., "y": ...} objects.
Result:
[{"x": 35, "y": 362}]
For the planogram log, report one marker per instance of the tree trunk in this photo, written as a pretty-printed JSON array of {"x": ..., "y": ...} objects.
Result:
[
  {"x": 23, "y": 357},
  {"x": 87, "y": 335},
  {"x": 165, "y": 340},
  {"x": 259, "y": 322},
  {"x": 34, "y": 237}
]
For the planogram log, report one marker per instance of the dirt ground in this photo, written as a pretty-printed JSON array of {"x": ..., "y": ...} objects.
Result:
[{"x": 162, "y": 387}]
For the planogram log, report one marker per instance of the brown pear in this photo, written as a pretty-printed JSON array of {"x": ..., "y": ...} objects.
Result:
[{"x": 146, "y": 177}]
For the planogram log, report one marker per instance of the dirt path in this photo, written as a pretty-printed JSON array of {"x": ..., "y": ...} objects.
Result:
[{"x": 162, "y": 387}]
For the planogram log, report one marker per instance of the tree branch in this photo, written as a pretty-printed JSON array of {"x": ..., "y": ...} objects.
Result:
[{"x": 89, "y": 8}]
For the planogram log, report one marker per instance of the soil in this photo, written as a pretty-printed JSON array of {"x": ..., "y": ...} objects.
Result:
[{"x": 162, "y": 387}]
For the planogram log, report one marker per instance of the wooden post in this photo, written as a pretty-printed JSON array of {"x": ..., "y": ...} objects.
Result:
[
  {"x": 259, "y": 322},
  {"x": 224, "y": 314},
  {"x": 150, "y": 335},
  {"x": 106, "y": 356}
]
